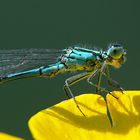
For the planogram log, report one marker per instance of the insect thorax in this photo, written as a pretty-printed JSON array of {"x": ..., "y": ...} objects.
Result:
[{"x": 75, "y": 60}]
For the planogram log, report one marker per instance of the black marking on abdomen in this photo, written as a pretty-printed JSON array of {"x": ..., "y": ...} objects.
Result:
[{"x": 40, "y": 71}]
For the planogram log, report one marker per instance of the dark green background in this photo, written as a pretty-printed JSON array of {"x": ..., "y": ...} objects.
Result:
[{"x": 59, "y": 24}]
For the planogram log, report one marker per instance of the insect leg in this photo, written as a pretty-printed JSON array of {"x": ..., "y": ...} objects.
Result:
[
  {"x": 99, "y": 82},
  {"x": 100, "y": 76},
  {"x": 72, "y": 80},
  {"x": 95, "y": 85},
  {"x": 111, "y": 81},
  {"x": 98, "y": 87},
  {"x": 108, "y": 112}
]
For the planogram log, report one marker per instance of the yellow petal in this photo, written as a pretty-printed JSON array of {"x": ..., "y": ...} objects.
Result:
[
  {"x": 65, "y": 122},
  {"x": 4, "y": 136}
]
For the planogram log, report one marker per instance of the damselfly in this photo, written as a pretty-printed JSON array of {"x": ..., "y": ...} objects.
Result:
[{"x": 23, "y": 63}]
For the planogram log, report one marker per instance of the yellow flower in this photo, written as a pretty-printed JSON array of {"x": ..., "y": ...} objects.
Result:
[
  {"x": 4, "y": 136},
  {"x": 64, "y": 121}
]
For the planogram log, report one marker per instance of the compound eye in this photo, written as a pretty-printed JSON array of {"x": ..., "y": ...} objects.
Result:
[{"x": 115, "y": 52}]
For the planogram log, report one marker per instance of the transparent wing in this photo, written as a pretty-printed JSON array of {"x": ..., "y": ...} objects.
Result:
[{"x": 12, "y": 61}]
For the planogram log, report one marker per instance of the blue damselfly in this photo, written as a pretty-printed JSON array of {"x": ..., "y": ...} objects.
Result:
[{"x": 23, "y": 63}]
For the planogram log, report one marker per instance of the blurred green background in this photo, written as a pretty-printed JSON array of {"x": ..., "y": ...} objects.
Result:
[{"x": 60, "y": 24}]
